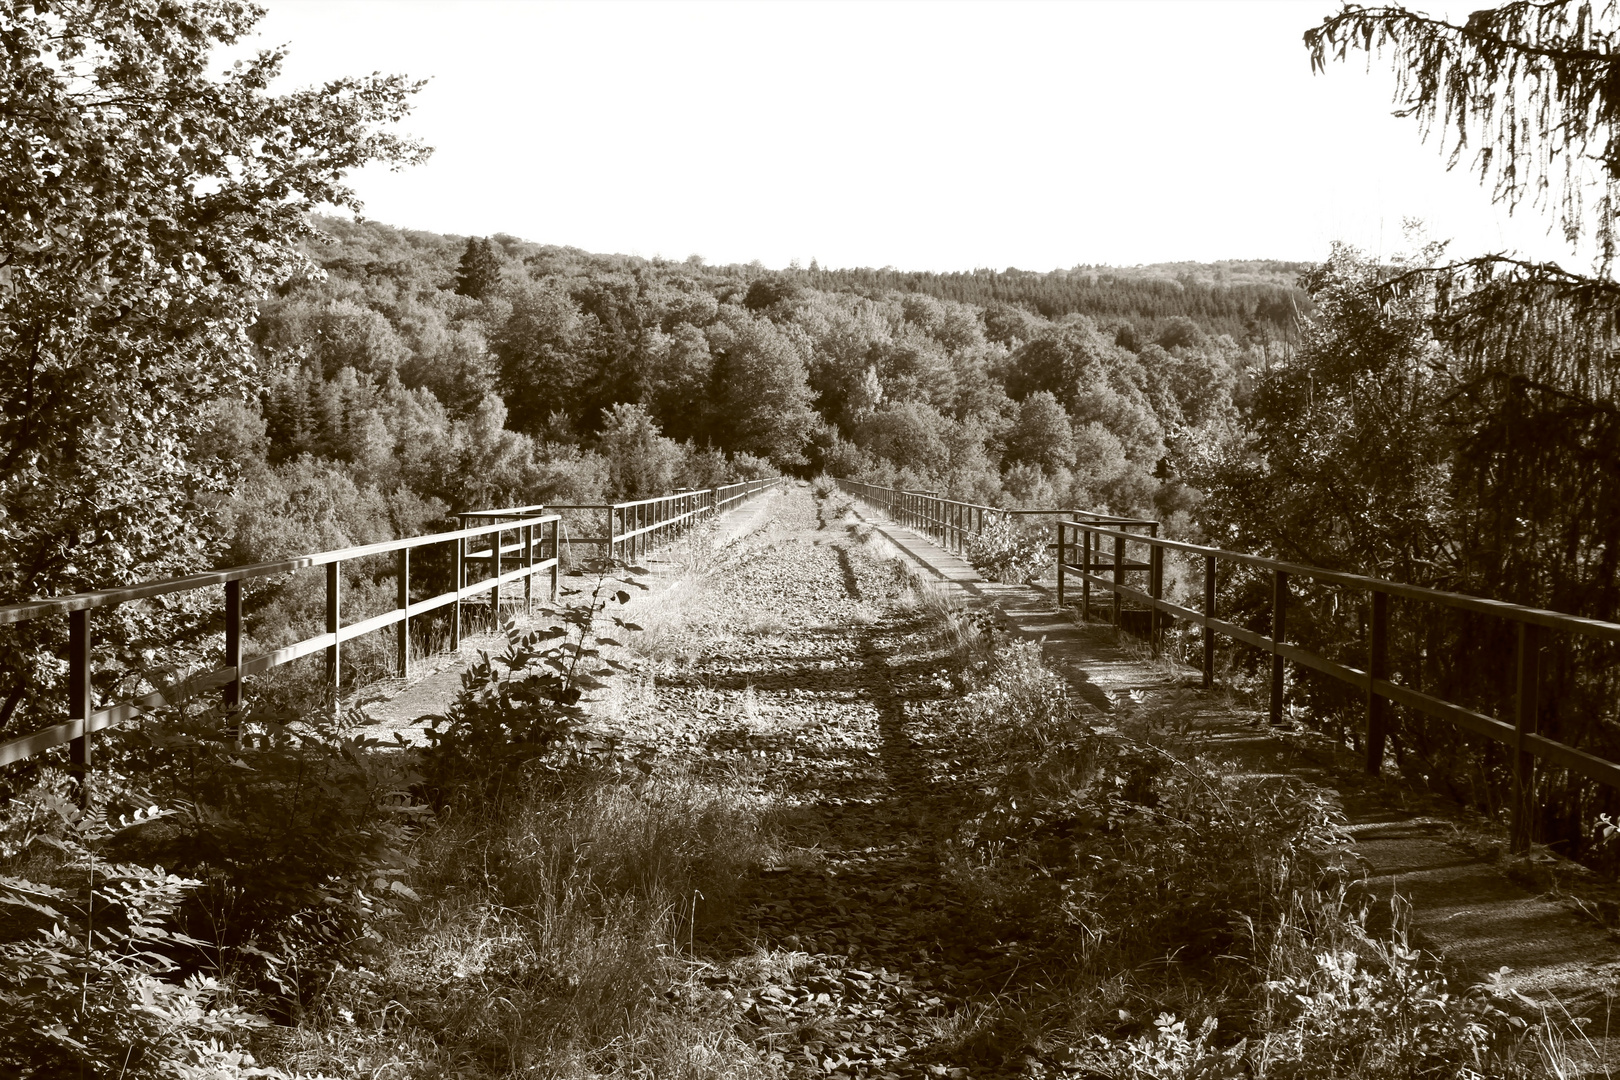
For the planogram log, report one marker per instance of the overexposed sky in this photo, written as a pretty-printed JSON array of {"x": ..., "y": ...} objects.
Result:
[{"x": 918, "y": 134}]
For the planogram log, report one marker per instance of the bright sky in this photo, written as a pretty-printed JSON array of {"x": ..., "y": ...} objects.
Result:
[{"x": 922, "y": 135}]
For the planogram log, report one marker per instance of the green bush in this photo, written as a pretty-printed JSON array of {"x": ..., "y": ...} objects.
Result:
[
  {"x": 88, "y": 986},
  {"x": 297, "y": 840},
  {"x": 518, "y": 708},
  {"x": 1008, "y": 551}
]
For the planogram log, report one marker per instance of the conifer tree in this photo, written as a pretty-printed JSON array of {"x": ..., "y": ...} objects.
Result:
[{"x": 480, "y": 269}]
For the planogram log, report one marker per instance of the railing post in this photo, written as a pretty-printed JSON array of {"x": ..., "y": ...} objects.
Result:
[
  {"x": 1155, "y": 590},
  {"x": 403, "y": 599},
  {"x": 1526, "y": 718},
  {"x": 1060, "y": 561},
  {"x": 1085, "y": 580},
  {"x": 334, "y": 600},
  {"x": 1279, "y": 623},
  {"x": 460, "y": 580},
  {"x": 1209, "y": 613},
  {"x": 495, "y": 575},
  {"x": 79, "y": 750},
  {"x": 1377, "y": 670},
  {"x": 1119, "y": 575},
  {"x": 556, "y": 555},
  {"x": 613, "y": 532},
  {"x": 233, "y": 654},
  {"x": 528, "y": 564}
]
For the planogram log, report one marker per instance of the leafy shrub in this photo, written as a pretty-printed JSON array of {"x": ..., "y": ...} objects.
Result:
[
  {"x": 1380, "y": 1012},
  {"x": 1386, "y": 1014},
  {"x": 87, "y": 983},
  {"x": 1007, "y": 551},
  {"x": 296, "y": 839},
  {"x": 1112, "y": 854},
  {"x": 518, "y": 707}
]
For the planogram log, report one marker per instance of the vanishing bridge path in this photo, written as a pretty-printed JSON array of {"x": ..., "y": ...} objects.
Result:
[
  {"x": 801, "y": 652},
  {"x": 790, "y": 645}
]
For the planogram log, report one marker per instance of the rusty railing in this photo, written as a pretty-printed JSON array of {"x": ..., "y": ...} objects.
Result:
[{"x": 517, "y": 543}]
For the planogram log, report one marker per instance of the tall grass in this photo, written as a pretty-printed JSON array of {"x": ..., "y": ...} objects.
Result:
[
  {"x": 559, "y": 929},
  {"x": 1181, "y": 922}
]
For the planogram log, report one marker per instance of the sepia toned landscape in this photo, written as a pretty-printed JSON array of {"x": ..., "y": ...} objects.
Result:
[{"x": 431, "y": 653}]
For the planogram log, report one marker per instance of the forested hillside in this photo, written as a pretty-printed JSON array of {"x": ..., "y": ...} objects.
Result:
[{"x": 429, "y": 373}]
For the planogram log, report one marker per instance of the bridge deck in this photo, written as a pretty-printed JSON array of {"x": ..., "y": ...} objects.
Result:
[
  {"x": 395, "y": 705},
  {"x": 1463, "y": 907}
]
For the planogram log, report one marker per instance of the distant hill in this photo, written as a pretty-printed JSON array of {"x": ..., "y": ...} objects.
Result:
[
  {"x": 1221, "y": 272},
  {"x": 1252, "y": 300}
]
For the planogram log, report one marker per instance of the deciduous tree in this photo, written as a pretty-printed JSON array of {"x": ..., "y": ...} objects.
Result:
[{"x": 147, "y": 206}]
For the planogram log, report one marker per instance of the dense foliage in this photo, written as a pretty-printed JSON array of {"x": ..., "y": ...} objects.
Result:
[
  {"x": 417, "y": 362},
  {"x": 148, "y": 207}
]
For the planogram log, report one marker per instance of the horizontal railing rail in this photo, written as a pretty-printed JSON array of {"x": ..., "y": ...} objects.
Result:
[
  {"x": 1521, "y": 735},
  {"x": 1080, "y": 553},
  {"x": 955, "y": 523},
  {"x": 636, "y": 526},
  {"x": 83, "y": 719},
  {"x": 517, "y": 544}
]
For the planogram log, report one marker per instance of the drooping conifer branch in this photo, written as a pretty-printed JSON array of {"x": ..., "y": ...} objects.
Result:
[{"x": 1532, "y": 88}]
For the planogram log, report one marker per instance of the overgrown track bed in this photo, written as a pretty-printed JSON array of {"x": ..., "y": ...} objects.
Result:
[{"x": 812, "y": 660}]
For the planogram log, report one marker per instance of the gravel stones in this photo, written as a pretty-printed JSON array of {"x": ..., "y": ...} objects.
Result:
[{"x": 804, "y": 659}]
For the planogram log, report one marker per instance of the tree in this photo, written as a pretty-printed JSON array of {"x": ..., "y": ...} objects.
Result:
[
  {"x": 911, "y": 434},
  {"x": 539, "y": 349},
  {"x": 1531, "y": 86},
  {"x": 1503, "y": 370},
  {"x": 761, "y": 393},
  {"x": 1532, "y": 347},
  {"x": 1344, "y": 464},
  {"x": 148, "y": 206},
  {"x": 1042, "y": 434},
  {"x": 641, "y": 461},
  {"x": 480, "y": 269}
]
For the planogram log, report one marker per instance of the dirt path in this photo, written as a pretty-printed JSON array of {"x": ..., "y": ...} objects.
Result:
[{"x": 808, "y": 663}]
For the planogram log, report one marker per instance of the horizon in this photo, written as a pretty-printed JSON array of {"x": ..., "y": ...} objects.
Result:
[
  {"x": 941, "y": 137},
  {"x": 1076, "y": 268}
]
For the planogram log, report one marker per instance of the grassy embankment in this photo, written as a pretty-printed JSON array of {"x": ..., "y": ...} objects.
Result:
[{"x": 1166, "y": 920}]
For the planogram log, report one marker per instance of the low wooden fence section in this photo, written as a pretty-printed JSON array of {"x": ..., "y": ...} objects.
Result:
[
  {"x": 1102, "y": 553},
  {"x": 511, "y": 545},
  {"x": 536, "y": 553}
]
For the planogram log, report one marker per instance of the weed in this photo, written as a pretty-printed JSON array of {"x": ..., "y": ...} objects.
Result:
[
  {"x": 1175, "y": 918},
  {"x": 565, "y": 929},
  {"x": 87, "y": 983},
  {"x": 1008, "y": 551}
]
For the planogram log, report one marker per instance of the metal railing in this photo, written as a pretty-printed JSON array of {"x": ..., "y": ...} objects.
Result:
[
  {"x": 1374, "y": 681},
  {"x": 954, "y": 524},
  {"x": 530, "y": 536},
  {"x": 635, "y": 527},
  {"x": 1080, "y": 552}
]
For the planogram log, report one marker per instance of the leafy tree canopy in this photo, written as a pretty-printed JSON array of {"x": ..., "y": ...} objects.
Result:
[{"x": 147, "y": 206}]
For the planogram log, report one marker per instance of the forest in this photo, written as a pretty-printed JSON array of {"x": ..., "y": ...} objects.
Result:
[
  {"x": 440, "y": 373},
  {"x": 209, "y": 357}
]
